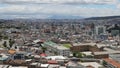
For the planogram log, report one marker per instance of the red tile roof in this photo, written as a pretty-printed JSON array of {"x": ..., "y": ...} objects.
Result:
[
  {"x": 11, "y": 51},
  {"x": 52, "y": 62},
  {"x": 43, "y": 55},
  {"x": 112, "y": 62}
]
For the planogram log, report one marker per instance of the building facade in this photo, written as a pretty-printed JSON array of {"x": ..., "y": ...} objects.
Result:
[{"x": 57, "y": 49}]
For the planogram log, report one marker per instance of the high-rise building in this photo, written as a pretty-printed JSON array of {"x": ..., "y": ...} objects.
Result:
[
  {"x": 100, "y": 30},
  {"x": 115, "y": 30}
]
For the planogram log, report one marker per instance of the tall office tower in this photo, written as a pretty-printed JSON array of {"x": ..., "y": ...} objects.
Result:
[{"x": 100, "y": 30}]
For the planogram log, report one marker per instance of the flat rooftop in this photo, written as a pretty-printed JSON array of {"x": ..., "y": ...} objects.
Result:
[
  {"x": 52, "y": 44},
  {"x": 83, "y": 44},
  {"x": 93, "y": 64},
  {"x": 61, "y": 47},
  {"x": 106, "y": 52},
  {"x": 56, "y": 57}
]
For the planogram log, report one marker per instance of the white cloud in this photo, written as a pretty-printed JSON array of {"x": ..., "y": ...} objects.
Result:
[
  {"x": 33, "y": 8},
  {"x": 57, "y": 9},
  {"x": 118, "y": 5},
  {"x": 24, "y": 16},
  {"x": 59, "y": 1},
  {"x": 20, "y": 9}
]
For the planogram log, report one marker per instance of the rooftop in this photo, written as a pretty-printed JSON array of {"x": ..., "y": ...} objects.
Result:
[
  {"x": 81, "y": 44},
  {"x": 50, "y": 43},
  {"x": 106, "y": 52},
  {"x": 87, "y": 53},
  {"x": 44, "y": 65},
  {"x": 3, "y": 58},
  {"x": 116, "y": 57},
  {"x": 60, "y": 47},
  {"x": 113, "y": 62},
  {"x": 53, "y": 66},
  {"x": 75, "y": 65},
  {"x": 93, "y": 64},
  {"x": 55, "y": 57},
  {"x": 11, "y": 51}
]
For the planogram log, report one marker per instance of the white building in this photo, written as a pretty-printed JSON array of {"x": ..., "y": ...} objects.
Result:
[
  {"x": 93, "y": 64},
  {"x": 100, "y": 30},
  {"x": 57, "y": 49}
]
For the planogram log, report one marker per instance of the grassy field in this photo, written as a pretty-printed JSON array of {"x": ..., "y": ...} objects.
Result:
[{"x": 67, "y": 45}]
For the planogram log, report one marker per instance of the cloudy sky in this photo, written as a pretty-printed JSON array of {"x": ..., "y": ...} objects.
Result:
[{"x": 58, "y": 8}]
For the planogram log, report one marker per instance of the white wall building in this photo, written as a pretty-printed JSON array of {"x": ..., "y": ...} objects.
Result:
[
  {"x": 100, "y": 30},
  {"x": 57, "y": 49}
]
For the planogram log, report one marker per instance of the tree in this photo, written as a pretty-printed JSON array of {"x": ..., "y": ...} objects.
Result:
[
  {"x": 78, "y": 54},
  {"x": 104, "y": 63},
  {"x": 11, "y": 42},
  {"x": 5, "y": 37},
  {"x": 15, "y": 47},
  {"x": 75, "y": 54},
  {"x": 44, "y": 49},
  {"x": 5, "y": 44}
]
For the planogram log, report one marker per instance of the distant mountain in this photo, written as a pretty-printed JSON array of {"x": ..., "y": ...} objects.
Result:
[
  {"x": 102, "y": 18},
  {"x": 68, "y": 19},
  {"x": 65, "y": 17}
]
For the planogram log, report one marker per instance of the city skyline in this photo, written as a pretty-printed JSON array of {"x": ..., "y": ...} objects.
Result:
[{"x": 70, "y": 9}]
